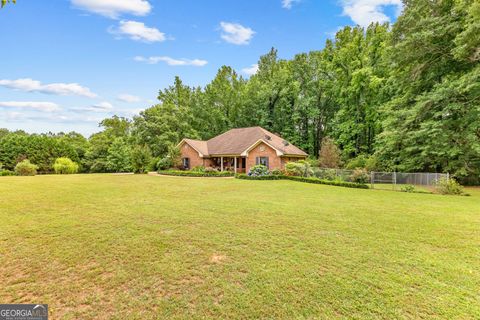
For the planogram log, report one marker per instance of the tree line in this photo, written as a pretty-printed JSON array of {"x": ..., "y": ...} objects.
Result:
[{"x": 404, "y": 97}]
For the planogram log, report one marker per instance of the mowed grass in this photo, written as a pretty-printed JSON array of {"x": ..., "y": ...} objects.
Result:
[{"x": 150, "y": 247}]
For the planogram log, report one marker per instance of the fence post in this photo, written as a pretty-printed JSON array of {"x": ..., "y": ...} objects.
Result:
[
  {"x": 394, "y": 180},
  {"x": 448, "y": 176},
  {"x": 372, "y": 178}
]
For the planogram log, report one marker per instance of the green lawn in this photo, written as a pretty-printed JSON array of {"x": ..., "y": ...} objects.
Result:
[{"x": 149, "y": 247}]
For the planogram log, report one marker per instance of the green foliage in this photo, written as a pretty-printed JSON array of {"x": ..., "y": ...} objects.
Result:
[
  {"x": 449, "y": 186},
  {"x": 258, "y": 171},
  {"x": 329, "y": 156},
  {"x": 174, "y": 155},
  {"x": 65, "y": 166},
  {"x": 360, "y": 175},
  {"x": 40, "y": 149},
  {"x": 164, "y": 164},
  {"x": 4, "y": 2},
  {"x": 141, "y": 159},
  {"x": 119, "y": 156},
  {"x": 277, "y": 172},
  {"x": 304, "y": 179},
  {"x": 408, "y": 188},
  {"x": 26, "y": 168},
  {"x": 431, "y": 122},
  {"x": 198, "y": 169},
  {"x": 300, "y": 168},
  {"x": 206, "y": 173}
]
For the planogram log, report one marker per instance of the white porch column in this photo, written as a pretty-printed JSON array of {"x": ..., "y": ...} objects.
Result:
[
  {"x": 235, "y": 164},
  {"x": 221, "y": 163}
]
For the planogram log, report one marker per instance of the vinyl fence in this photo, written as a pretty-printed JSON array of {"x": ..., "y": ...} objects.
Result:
[{"x": 382, "y": 180}]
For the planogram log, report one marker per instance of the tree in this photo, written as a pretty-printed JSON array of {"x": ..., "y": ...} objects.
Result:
[
  {"x": 141, "y": 159},
  {"x": 431, "y": 123},
  {"x": 4, "y": 2},
  {"x": 329, "y": 156},
  {"x": 119, "y": 156}
]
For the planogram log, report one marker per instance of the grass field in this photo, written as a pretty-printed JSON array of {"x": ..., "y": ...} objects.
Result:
[{"x": 149, "y": 247}]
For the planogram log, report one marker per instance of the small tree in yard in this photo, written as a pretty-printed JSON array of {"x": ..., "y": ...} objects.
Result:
[
  {"x": 329, "y": 156},
  {"x": 174, "y": 155},
  {"x": 65, "y": 166},
  {"x": 26, "y": 168},
  {"x": 141, "y": 159},
  {"x": 119, "y": 156}
]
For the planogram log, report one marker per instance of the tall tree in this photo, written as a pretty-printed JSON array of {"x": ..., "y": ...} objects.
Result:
[{"x": 433, "y": 121}]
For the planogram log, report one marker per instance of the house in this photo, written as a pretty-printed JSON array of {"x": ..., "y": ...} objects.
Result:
[{"x": 240, "y": 149}]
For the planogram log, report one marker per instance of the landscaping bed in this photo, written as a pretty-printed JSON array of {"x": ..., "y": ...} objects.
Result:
[
  {"x": 306, "y": 180},
  {"x": 196, "y": 173}
]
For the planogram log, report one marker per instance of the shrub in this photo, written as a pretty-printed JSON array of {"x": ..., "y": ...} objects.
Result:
[
  {"x": 277, "y": 172},
  {"x": 26, "y": 168},
  {"x": 300, "y": 168},
  {"x": 408, "y": 188},
  {"x": 360, "y": 176},
  {"x": 65, "y": 166},
  {"x": 329, "y": 156},
  {"x": 211, "y": 169},
  {"x": 328, "y": 174},
  {"x": 141, "y": 159},
  {"x": 258, "y": 171},
  {"x": 449, "y": 186},
  {"x": 5, "y": 172},
  {"x": 198, "y": 169},
  {"x": 175, "y": 156},
  {"x": 196, "y": 174},
  {"x": 164, "y": 164},
  {"x": 306, "y": 180}
]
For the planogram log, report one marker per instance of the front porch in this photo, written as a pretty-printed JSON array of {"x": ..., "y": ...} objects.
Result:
[{"x": 230, "y": 163}]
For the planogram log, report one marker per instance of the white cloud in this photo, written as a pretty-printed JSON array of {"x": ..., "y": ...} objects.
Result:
[
  {"x": 35, "y": 105},
  {"x": 364, "y": 12},
  {"x": 172, "y": 61},
  {"x": 287, "y": 4},
  {"x": 114, "y": 8},
  {"x": 251, "y": 70},
  {"x": 138, "y": 31},
  {"x": 236, "y": 33},
  {"x": 63, "y": 89},
  {"x": 99, "y": 107},
  {"x": 128, "y": 98}
]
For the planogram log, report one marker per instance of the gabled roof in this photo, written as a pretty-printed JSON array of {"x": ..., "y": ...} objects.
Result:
[{"x": 238, "y": 141}]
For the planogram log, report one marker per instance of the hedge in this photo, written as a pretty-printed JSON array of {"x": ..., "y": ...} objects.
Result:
[
  {"x": 306, "y": 180},
  {"x": 196, "y": 173}
]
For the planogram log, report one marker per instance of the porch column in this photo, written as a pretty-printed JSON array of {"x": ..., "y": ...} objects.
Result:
[
  {"x": 235, "y": 164},
  {"x": 221, "y": 163}
]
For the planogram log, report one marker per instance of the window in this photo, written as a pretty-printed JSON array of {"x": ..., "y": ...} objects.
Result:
[
  {"x": 186, "y": 163},
  {"x": 262, "y": 161}
]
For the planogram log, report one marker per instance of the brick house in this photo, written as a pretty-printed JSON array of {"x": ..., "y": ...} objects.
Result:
[{"x": 240, "y": 149}]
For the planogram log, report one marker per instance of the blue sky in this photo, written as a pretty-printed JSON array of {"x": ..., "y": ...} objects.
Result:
[{"x": 67, "y": 64}]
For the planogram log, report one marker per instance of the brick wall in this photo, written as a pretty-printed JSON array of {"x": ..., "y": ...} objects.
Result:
[
  {"x": 188, "y": 152},
  {"x": 263, "y": 150}
]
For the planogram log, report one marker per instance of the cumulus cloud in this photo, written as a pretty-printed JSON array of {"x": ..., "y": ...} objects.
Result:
[
  {"x": 287, "y": 4},
  {"x": 364, "y": 12},
  {"x": 137, "y": 31},
  {"x": 128, "y": 98},
  {"x": 236, "y": 33},
  {"x": 114, "y": 8},
  {"x": 34, "y": 105},
  {"x": 63, "y": 89},
  {"x": 250, "y": 70},
  {"x": 171, "y": 61}
]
